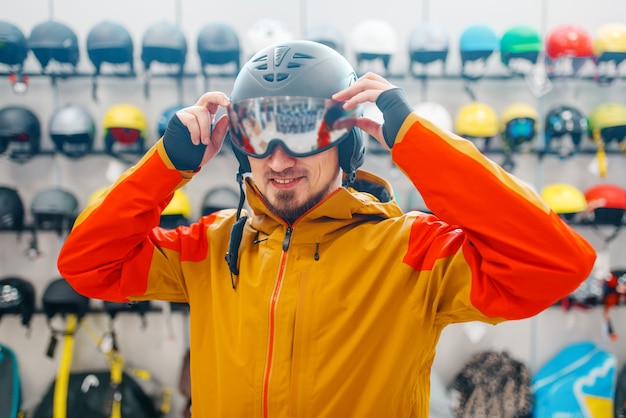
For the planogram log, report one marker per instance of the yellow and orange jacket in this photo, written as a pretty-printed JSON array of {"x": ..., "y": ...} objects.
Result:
[{"x": 339, "y": 314}]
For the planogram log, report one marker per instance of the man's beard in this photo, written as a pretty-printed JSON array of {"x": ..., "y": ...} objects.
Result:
[{"x": 286, "y": 209}]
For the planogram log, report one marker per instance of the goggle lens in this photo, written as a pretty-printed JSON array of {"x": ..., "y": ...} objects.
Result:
[{"x": 304, "y": 126}]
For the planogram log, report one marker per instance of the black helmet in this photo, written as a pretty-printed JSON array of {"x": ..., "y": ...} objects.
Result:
[
  {"x": 59, "y": 298},
  {"x": 54, "y": 41},
  {"x": 11, "y": 210},
  {"x": 54, "y": 209},
  {"x": 165, "y": 43},
  {"x": 218, "y": 44},
  {"x": 219, "y": 198},
  {"x": 306, "y": 69},
  {"x": 13, "y": 45},
  {"x": 17, "y": 297},
  {"x": 20, "y": 133},
  {"x": 72, "y": 130},
  {"x": 114, "y": 308},
  {"x": 562, "y": 122}
]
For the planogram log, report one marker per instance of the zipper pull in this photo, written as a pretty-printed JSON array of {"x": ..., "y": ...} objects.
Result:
[{"x": 287, "y": 239}]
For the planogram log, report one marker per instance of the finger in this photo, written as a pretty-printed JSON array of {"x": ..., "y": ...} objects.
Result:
[
  {"x": 372, "y": 128},
  {"x": 213, "y": 99},
  {"x": 220, "y": 128},
  {"x": 203, "y": 120}
]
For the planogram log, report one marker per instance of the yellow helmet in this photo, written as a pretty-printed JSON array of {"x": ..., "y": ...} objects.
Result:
[
  {"x": 476, "y": 120},
  {"x": 179, "y": 205},
  {"x": 610, "y": 39},
  {"x": 564, "y": 198},
  {"x": 519, "y": 124},
  {"x": 126, "y": 123}
]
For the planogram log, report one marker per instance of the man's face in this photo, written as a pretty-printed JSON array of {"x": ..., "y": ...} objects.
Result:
[{"x": 293, "y": 185}]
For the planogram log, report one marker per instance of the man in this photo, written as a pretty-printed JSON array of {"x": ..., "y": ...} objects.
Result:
[{"x": 331, "y": 301}]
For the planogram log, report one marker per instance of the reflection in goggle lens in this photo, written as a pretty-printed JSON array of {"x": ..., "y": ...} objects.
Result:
[{"x": 302, "y": 125}]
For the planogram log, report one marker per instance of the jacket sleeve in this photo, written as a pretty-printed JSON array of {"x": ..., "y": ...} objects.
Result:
[
  {"x": 522, "y": 256},
  {"x": 115, "y": 244}
]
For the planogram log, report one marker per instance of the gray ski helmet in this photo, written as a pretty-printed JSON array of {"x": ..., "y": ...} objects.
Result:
[
  {"x": 326, "y": 34},
  {"x": 11, "y": 210},
  {"x": 110, "y": 42},
  {"x": 17, "y": 297},
  {"x": 13, "y": 45},
  {"x": 164, "y": 42},
  {"x": 59, "y": 298},
  {"x": 72, "y": 130},
  {"x": 54, "y": 41},
  {"x": 54, "y": 209},
  {"x": 218, "y": 44},
  {"x": 20, "y": 133},
  {"x": 300, "y": 68}
]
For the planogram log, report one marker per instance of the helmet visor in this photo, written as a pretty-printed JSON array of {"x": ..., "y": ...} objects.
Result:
[{"x": 303, "y": 126}]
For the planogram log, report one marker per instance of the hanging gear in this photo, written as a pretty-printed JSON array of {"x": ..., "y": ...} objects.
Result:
[
  {"x": 72, "y": 130},
  {"x": 609, "y": 50},
  {"x": 564, "y": 199},
  {"x": 435, "y": 113},
  {"x": 56, "y": 42},
  {"x": 125, "y": 130},
  {"x": 374, "y": 40},
  {"x": 477, "y": 44},
  {"x": 11, "y": 210},
  {"x": 563, "y": 123},
  {"x": 568, "y": 48},
  {"x": 164, "y": 43},
  {"x": 177, "y": 212},
  {"x": 326, "y": 34},
  {"x": 110, "y": 43},
  {"x": 13, "y": 53},
  {"x": 20, "y": 133},
  {"x": 265, "y": 32},
  {"x": 519, "y": 125},
  {"x": 17, "y": 297},
  {"x": 606, "y": 204},
  {"x": 54, "y": 209},
  {"x": 607, "y": 126},
  {"x": 219, "y": 198},
  {"x": 218, "y": 45},
  {"x": 428, "y": 43},
  {"x": 520, "y": 47},
  {"x": 477, "y": 122}
]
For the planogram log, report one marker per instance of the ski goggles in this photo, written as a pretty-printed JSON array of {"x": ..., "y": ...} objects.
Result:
[{"x": 303, "y": 126}]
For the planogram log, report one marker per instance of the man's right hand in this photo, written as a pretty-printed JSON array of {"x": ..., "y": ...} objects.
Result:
[{"x": 192, "y": 138}]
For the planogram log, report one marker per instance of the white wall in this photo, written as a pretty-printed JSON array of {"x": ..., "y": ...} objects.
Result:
[{"x": 534, "y": 340}]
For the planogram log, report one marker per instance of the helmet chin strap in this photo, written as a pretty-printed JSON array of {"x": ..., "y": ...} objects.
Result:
[{"x": 236, "y": 234}]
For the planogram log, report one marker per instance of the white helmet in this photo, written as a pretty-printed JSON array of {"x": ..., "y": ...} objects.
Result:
[
  {"x": 374, "y": 39},
  {"x": 435, "y": 113},
  {"x": 266, "y": 32}
]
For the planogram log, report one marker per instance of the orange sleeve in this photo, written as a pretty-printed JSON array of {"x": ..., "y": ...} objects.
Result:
[
  {"x": 523, "y": 257},
  {"x": 112, "y": 260}
]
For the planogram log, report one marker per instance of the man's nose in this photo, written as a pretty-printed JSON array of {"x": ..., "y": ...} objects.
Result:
[{"x": 279, "y": 159}]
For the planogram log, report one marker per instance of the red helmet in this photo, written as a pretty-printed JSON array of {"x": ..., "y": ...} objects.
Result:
[
  {"x": 607, "y": 202},
  {"x": 569, "y": 41}
]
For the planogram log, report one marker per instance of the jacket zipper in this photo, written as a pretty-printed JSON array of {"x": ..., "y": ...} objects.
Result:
[{"x": 272, "y": 321}]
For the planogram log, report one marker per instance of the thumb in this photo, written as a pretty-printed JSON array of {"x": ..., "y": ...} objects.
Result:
[{"x": 372, "y": 128}]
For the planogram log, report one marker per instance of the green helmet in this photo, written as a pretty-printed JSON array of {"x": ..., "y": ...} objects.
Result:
[{"x": 522, "y": 42}]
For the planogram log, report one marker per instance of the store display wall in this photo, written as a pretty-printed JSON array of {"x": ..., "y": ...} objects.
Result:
[{"x": 156, "y": 346}]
